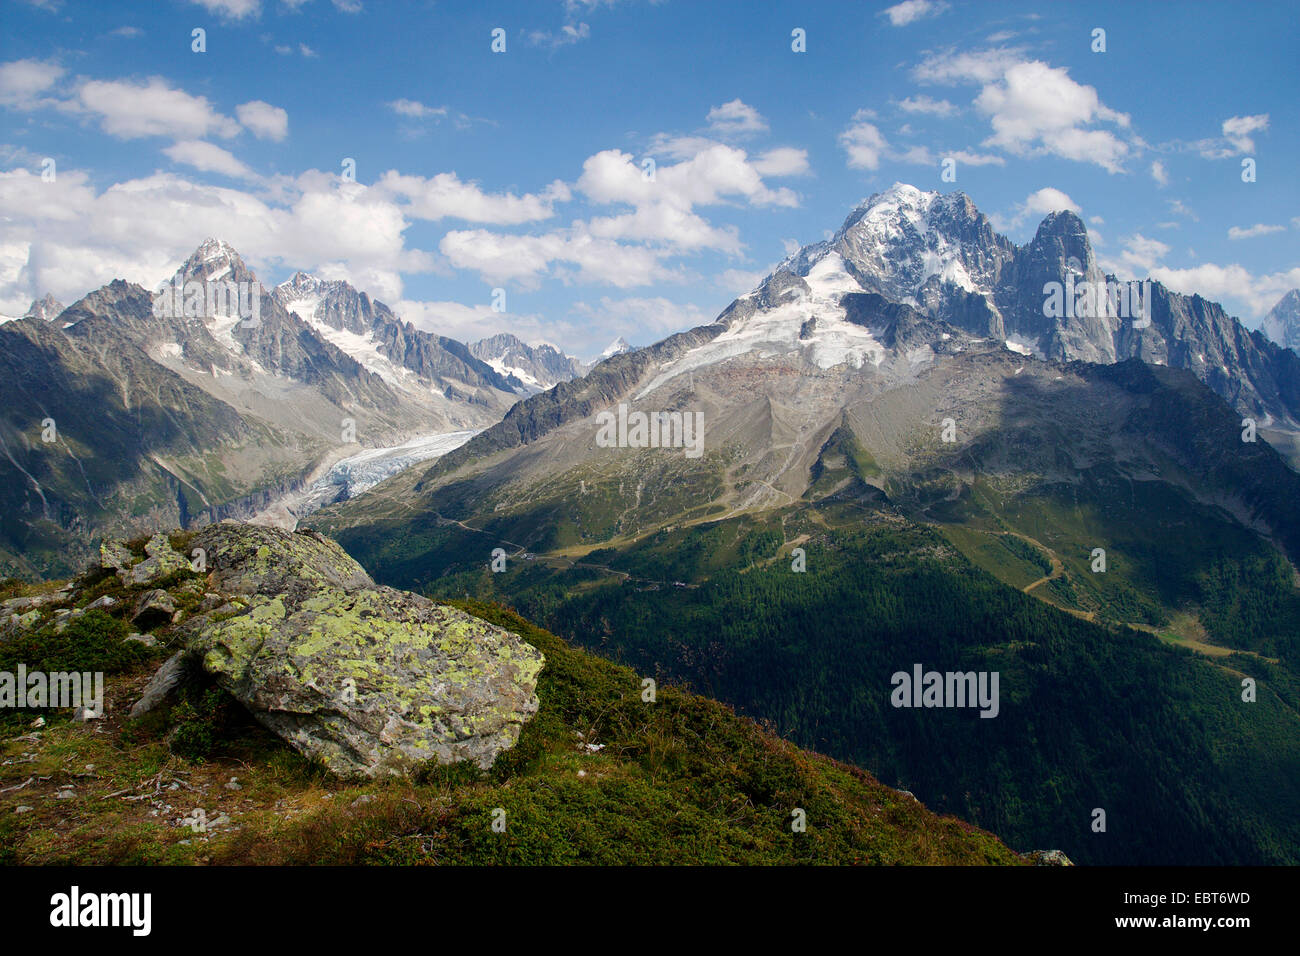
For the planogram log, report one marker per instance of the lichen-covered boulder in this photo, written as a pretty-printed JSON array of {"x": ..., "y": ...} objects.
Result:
[
  {"x": 115, "y": 556},
  {"x": 367, "y": 679},
  {"x": 162, "y": 560},
  {"x": 247, "y": 559}
]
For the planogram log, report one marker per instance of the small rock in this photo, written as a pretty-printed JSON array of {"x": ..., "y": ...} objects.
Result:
[
  {"x": 363, "y": 799},
  {"x": 38, "y": 722},
  {"x": 174, "y": 672},
  {"x": 233, "y": 784},
  {"x": 162, "y": 560},
  {"x": 22, "y": 809},
  {"x": 101, "y": 603},
  {"x": 154, "y": 608},
  {"x": 148, "y": 640},
  {"x": 82, "y": 714},
  {"x": 115, "y": 556}
]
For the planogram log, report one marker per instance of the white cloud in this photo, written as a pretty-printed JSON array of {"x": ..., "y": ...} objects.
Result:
[
  {"x": 1238, "y": 137},
  {"x": 263, "y": 120},
  {"x": 231, "y": 9},
  {"x": 735, "y": 119},
  {"x": 782, "y": 161},
  {"x": 525, "y": 259},
  {"x": 1138, "y": 258},
  {"x": 865, "y": 147},
  {"x": 1179, "y": 208},
  {"x": 979, "y": 66},
  {"x": 634, "y": 317},
  {"x": 864, "y": 143},
  {"x": 927, "y": 105},
  {"x": 1237, "y": 130},
  {"x": 740, "y": 281},
  {"x": 967, "y": 158},
  {"x": 446, "y": 196},
  {"x": 77, "y": 238},
  {"x": 416, "y": 109},
  {"x": 707, "y": 178},
  {"x": 1033, "y": 108},
  {"x": 1038, "y": 108},
  {"x": 909, "y": 11},
  {"x": 1250, "y": 232},
  {"x": 1231, "y": 284},
  {"x": 1049, "y": 199},
  {"x": 208, "y": 158},
  {"x": 1038, "y": 203},
  {"x": 1159, "y": 173},
  {"x": 22, "y": 83},
  {"x": 132, "y": 110}
]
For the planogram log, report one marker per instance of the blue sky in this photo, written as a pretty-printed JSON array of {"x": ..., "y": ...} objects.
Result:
[{"x": 524, "y": 170}]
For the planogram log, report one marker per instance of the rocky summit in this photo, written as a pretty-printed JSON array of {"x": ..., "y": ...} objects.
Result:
[{"x": 366, "y": 679}]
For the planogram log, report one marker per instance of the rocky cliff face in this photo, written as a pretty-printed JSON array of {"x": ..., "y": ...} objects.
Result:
[
  {"x": 940, "y": 255},
  {"x": 533, "y": 368},
  {"x": 372, "y": 333}
]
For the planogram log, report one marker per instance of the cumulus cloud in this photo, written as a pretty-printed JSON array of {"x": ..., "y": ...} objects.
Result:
[
  {"x": 1037, "y": 204},
  {"x": 263, "y": 120},
  {"x": 76, "y": 238},
  {"x": 1032, "y": 107},
  {"x": 863, "y": 142},
  {"x": 1234, "y": 285},
  {"x": 735, "y": 119},
  {"x": 208, "y": 158},
  {"x": 782, "y": 161},
  {"x": 1159, "y": 173},
  {"x": 909, "y": 11},
  {"x": 526, "y": 259},
  {"x": 865, "y": 147},
  {"x": 231, "y": 9},
  {"x": 1238, "y": 131},
  {"x": 446, "y": 196},
  {"x": 129, "y": 110},
  {"x": 927, "y": 105},
  {"x": 23, "y": 83},
  {"x": 1238, "y": 137}
]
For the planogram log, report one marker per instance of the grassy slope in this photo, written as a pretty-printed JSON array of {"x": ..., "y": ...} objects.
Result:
[
  {"x": 680, "y": 780},
  {"x": 1092, "y": 715}
]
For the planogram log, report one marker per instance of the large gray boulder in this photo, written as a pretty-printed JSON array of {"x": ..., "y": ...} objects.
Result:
[{"x": 369, "y": 680}]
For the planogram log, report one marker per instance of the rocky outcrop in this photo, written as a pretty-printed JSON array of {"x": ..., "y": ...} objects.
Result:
[{"x": 368, "y": 680}]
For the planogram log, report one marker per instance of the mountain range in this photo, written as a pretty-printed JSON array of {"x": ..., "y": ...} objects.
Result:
[
  {"x": 922, "y": 442},
  {"x": 194, "y": 410}
]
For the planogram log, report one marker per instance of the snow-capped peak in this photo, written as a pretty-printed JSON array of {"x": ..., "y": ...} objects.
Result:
[{"x": 617, "y": 347}]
